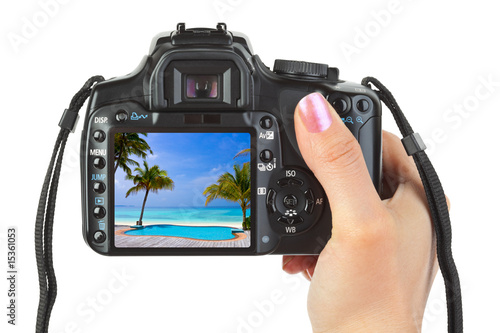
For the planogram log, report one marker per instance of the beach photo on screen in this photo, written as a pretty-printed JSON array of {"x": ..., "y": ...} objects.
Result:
[{"x": 182, "y": 190}]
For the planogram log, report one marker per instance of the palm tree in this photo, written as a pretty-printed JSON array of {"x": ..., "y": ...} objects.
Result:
[
  {"x": 127, "y": 144},
  {"x": 150, "y": 180},
  {"x": 233, "y": 188}
]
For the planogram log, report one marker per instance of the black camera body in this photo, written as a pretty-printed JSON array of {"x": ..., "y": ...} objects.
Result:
[{"x": 194, "y": 153}]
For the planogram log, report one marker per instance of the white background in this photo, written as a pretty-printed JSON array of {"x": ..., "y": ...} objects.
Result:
[{"x": 434, "y": 56}]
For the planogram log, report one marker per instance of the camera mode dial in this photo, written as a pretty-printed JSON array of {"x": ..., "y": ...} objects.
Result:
[{"x": 300, "y": 68}]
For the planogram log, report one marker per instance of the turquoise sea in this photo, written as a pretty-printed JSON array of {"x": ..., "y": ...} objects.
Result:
[{"x": 223, "y": 216}]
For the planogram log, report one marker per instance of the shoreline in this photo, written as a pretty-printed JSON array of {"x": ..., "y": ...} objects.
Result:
[{"x": 235, "y": 225}]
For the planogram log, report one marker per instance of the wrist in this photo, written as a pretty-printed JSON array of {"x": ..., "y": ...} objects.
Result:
[{"x": 387, "y": 322}]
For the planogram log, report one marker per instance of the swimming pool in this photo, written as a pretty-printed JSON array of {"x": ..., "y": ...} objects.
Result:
[{"x": 200, "y": 233}]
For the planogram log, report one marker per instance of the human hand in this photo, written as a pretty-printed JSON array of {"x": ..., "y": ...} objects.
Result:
[{"x": 376, "y": 271}]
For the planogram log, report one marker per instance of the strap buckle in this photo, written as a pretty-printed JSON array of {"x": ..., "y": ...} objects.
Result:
[
  {"x": 413, "y": 144},
  {"x": 69, "y": 120}
]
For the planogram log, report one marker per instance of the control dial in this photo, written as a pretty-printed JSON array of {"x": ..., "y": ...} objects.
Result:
[{"x": 300, "y": 68}]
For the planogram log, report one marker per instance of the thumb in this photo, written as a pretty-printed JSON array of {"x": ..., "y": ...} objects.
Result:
[{"x": 335, "y": 157}]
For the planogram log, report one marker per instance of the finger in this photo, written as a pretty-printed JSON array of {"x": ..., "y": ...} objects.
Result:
[
  {"x": 399, "y": 168},
  {"x": 297, "y": 264},
  {"x": 334, "y": 156}
]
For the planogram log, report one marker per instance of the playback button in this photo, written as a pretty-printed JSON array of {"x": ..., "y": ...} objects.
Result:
[{"x": 99, "y": 212}]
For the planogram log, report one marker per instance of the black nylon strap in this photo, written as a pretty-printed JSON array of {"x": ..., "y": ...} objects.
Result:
[
  {"x": 46, "y": 208},
  {"x": 437, "y": 206}
]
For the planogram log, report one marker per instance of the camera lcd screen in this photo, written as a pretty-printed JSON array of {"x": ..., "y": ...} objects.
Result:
[{"x": 182, "y": 190}]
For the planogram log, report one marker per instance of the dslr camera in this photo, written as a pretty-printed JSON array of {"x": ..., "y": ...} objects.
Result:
[{"x": 194, "y": 152}]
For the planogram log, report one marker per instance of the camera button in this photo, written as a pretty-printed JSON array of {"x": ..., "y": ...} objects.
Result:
[
  {"x": 309, "y": 208},
  {"x": 291, "y": 220},
  {"x": 99, "y": 212},
  {"x": 290, "y": 201},
  {"x": 271, "y": 201},
  {"x": 99, "y": 187},
  {"x": 283, "y": 182},
  {"x": 295, "y": 182},
  {"x": 99, "y": 162},
  {"x": 266, "y": 122},
  {"x": 340, "y": 105},
  {"x": 362, "y": 105},
  {"x": 99, "y": 236},
  {"x": 266, "y": 156},
  {"x": 121, "y": 116},
  {"x": 99, "y": 136}
]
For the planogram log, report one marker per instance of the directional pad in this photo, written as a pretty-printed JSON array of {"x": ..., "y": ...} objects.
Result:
[{"x": 294, "y": 201}]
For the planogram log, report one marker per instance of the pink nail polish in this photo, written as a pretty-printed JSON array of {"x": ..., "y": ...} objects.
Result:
[{"x": 314, "y": 113}]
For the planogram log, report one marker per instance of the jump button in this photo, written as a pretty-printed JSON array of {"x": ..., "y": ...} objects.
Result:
[{"x": 99, "y": 187}]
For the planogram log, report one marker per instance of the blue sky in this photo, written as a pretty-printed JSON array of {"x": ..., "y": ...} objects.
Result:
[{"x": 192, "y": 160}]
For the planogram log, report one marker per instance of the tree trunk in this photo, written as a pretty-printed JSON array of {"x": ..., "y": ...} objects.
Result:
[
  {"x": 119, "y": 155},
  {"x": 143, "y": 206},
  {"x": 244, "y": 218},
  {"x": 118, "y": 161}
]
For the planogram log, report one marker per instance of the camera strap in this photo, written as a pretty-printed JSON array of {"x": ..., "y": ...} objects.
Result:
[
  {"x": 436, "y": 199},
  {"x": 412, "y": 142},
  {"x": 46, "y": 207}
]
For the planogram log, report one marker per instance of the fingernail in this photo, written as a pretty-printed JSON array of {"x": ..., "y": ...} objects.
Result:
[
  {"x": 307, "y": 275},
  {"x": 314, "y": 113},
  {"x": 285, "y": 262}
]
